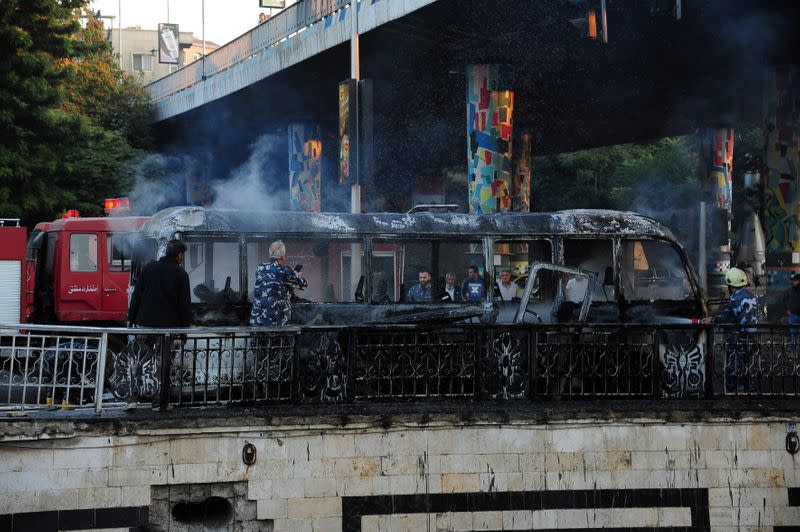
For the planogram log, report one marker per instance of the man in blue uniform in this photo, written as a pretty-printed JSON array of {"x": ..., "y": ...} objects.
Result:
[
  {"x": 272, "y": 294},
  {"x": 741, "y": 310}
]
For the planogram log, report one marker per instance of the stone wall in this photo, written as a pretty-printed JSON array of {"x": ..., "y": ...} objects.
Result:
[{"x": 445, "y": 475}]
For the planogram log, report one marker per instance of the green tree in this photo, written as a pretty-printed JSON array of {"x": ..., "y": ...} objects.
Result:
[{"x": 64, "y": 141}]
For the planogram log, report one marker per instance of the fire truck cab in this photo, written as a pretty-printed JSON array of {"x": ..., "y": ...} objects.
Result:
[{"x": 78, "y": 270}]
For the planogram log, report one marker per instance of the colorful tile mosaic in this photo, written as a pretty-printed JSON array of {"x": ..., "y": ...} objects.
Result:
[
  {"x": 521, "y": 186},
  {"x": 716, "y": 152},
  {"x": 347, "y": 98},
  {"x": 490, "y": 110},
  {"x": 305, "y": 167},
  {"x": 782, "y": 130}
]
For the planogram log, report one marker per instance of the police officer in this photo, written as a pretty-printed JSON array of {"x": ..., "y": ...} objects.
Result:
[
  {"x": 740, "y": 310},
  {"x": 272, "y": 294}
]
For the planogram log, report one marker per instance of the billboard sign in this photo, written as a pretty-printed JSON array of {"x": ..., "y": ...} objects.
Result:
[
  {"x": 168, "y": 44},
  {"x": 279, "y": 4}
]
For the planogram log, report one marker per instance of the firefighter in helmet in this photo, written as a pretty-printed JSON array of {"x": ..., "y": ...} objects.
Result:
[{"x": 741, "y": 313}]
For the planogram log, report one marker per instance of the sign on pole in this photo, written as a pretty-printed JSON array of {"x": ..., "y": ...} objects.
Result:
[
  {"x": 278, "y": 4},
  {"x": 168, "y": 44}
]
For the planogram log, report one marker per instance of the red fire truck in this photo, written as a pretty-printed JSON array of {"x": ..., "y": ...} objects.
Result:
[{"x": 72, "y": 270}]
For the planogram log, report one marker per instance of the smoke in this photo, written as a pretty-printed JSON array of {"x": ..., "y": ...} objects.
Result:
[
  {"x": 160, "y": 182},
  {"x": 163, "y": 181},
  {"x": 248, "y": 187}
]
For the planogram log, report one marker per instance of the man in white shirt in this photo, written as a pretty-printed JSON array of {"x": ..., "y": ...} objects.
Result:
[
  {"x": 576, "y": 288},
  {"x": 450, "y": 288},
  {"x": 508, "y": 289}
]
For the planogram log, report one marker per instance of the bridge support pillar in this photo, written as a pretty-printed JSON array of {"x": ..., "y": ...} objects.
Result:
[
  {"x": 781, "y": 205},
  {"x": 490, "y": 110},
  {"x": 305, "y": 167},
  {"x": 716, "y": 159},
  {"x": 782, "y": 162}
]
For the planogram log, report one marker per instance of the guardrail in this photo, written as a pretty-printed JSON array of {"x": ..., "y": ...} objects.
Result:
[
  {"x": 284, "y": 25},
  {"x": 57, "y": 365}
]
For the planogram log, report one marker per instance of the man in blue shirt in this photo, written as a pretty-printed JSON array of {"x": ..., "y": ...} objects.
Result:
[
  {"x": 472, "y": 288},
  {"x": 272, "y": 294},
  {"x": 421, "y": 292}
]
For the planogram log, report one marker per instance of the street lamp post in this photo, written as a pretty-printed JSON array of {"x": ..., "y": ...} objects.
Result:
[{"x": 355, "y": 73}]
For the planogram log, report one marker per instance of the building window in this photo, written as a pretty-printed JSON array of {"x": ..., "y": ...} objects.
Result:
[
  {"x": 196, "y": 57},
  {"x": 143, "y": 62}
]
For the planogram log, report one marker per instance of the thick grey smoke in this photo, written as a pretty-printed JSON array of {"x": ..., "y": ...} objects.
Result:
[
  {"x": 163, "y": 180},
  {"x": 160, "y": 182},
  {"x": 247, "y": 187}
]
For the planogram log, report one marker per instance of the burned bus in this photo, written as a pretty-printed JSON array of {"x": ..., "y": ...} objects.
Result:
[{"x": 580, "y": 266}]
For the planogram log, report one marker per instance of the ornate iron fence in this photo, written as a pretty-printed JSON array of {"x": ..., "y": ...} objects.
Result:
[
  {"x": 43, "y": 368},
  {"x": 756, "y": 361},
  {"x": 41, "y": 365}
]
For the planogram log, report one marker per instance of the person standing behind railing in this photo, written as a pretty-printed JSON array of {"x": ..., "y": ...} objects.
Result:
[
  {"x": 272, "y": 293},
  {"x": 161, "y": 296},
  {"x": 791, "y": 303},
  {"x": 741, "y": 309}
]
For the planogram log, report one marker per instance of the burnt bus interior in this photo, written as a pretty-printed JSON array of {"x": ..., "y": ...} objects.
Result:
[{"x": 637, "y": 279}]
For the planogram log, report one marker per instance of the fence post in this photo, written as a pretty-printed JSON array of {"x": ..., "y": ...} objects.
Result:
[
  {"x": 352, "y": 350},
  {"x": 711, "y": 364},
  {"x": 100, "y": 378},
  {"x": 533, "y": 346},
  {"x": 166, "y": 362}
]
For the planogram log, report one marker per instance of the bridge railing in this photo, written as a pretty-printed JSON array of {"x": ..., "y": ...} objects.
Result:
[
  {"x": 284, "y": 25},
  {"x": 47, "y": 365}
]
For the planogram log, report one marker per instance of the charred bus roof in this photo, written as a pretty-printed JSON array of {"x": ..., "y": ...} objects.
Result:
[{"x": 165, "y": 224}]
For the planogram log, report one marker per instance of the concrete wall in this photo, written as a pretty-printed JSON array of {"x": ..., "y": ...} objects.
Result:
[
  {"x": 729, "y": 475},
  {"x": 139, "y": 41}
]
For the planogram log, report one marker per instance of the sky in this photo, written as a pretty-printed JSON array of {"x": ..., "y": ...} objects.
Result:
[{"x": 224, "y": 19}]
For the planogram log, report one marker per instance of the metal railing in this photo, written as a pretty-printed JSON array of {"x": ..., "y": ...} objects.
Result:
[
  {"x": 284, "y": 25},
  {"x": 57, "y": 365}
]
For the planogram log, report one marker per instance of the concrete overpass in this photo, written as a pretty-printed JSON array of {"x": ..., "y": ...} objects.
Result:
[{"x": 656, "y": 76}]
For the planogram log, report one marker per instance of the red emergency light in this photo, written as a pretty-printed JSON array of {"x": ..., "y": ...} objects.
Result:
[
  {"x": 117, "y": 204},
  {"x": 72, "y": 213}
]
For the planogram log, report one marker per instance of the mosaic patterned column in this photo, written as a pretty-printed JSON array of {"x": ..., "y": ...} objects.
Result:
[
  {"x": 490, "y": 110},
  {"x": 716, "y": 153},
  {"x": 521, "y": 186},
  {"x": 782, "y": 161},
  {"x": 305, "y": 167}
]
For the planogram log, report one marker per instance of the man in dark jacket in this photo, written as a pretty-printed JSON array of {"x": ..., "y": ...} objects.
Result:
[{"x": 161, "y": 295}]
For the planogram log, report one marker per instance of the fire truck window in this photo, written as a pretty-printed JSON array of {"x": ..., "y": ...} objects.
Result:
[
  {"x": 594, "y": 255},
  {"x": 83, "y": 253},
  {"x": 118, "y": 253},
  {"x": 213, "y": 269},
  {"x": 415, "y": 271},
  {"x": 652, "y": 270},
  {"x": 327, "y": 265}
]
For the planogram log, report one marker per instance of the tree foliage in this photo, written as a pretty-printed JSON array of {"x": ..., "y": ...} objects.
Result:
[
  {"x": 644, "y": 176},
  {"x": 70, "y": 120},
  {"x": 651, "y": 177}
]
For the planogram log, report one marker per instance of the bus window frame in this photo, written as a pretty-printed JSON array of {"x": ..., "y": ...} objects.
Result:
[
  {"x": 357, "y": 239},
  {"x": 536, "y": 267},
  {"x": 688, "y": 270},
  {"x": 486, "y": 253}
]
